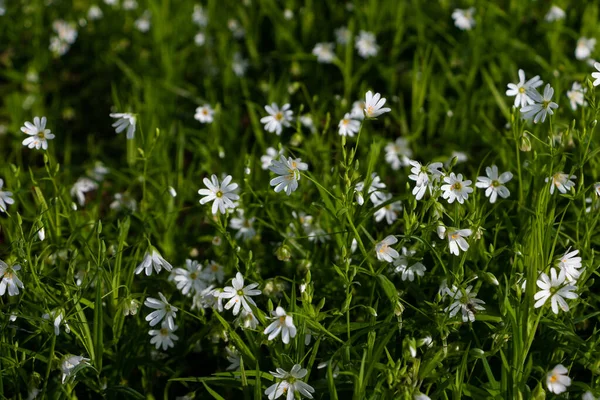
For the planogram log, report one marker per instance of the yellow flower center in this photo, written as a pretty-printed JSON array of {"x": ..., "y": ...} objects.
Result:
[
  {"x": 282, "y": 319},
  {"x": 279, "y": 116},
  {"x": 219, "y": 194},
  {"x": 457, "y": 186},
  {"x": 521, "y": 90},
  {"x": 41, "y": 135},
  {"x": 553, "y": 378},
  {"x": 164, "y": 331}
]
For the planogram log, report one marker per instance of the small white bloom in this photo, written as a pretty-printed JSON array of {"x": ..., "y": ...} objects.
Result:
[
  {"x": 288, "y": 14},
  {"x": 552, "y": 288},
  {"x": 398, "y": 154},
  {"x": 69, "y": 364},
  {"x": 456, "y": 239},
  {"x": 142, "y": 24},
  {"x": 307, "y": 122},
  {"x": 494, "y": 184},
  {"x": 366, "y": 44},
  {"x": 98, "y": 172},
  {"x": 358, "y": 110},
  {"x": 153, "y": 259},
  {"x": 585, "y": 47},
  {"x": 239, "y": 295},
  {"x": 164, "y": 336},
  {"x": 557, "y": 380},
  {"x": 596, "y": 75},
  {"x": 38, "y": 134},
  {"x": 562, "y": 182},
  {"x": 389, "y": 211},
  {"x": 570, "y": 263},
  {"x": 269, "y": 157},
  {"x": 374, "y": 104},
  {"x": 247, "y": 320},
  {"x": 222, "y": 195},
  {"x": 342, "y": 35},
  {"x": 464, "y": 301},
  {"x": 244, "y": 226},
  {"x": 239, "y": 64},
  {"x": 542, "y": 107},
  {"x": 163, "y": 310},
  {"x": 283, "y": 324},
  {"x": 5, "y": 198},
  {"x": 10, "y": 280},
  {"x": 200, "y": 39},
  {"x": 214, "y": 272},
  {"x": 289, "y": 174},
  {"x": 130, "y": 5},
  {"x": 199, "y": 16},
  {"x": 277, "y": 119},
  {"x": 588, "y": 396},
  {"x": 130, "y": 307},
  {"x": 425, "y": 176},
  {"x": 81, "y": 187},
  {"x": 95, "y": 13},
  {"x": 58, "y": 316},
  {"x": 576, "y": 95},
  {"x": 375, "y": 194},
  {"x": 348, "y": 126},
  {"x": 204, "y": 114},
  {"x": 463, "y": 19},
  {"x": 123, "y": 201},
  {"x": 555, "y": 14},
  {"x": 401, "y": 266},
  {"x": 124, "y": 121},
  {"x": 383, "y": 250},
  {"x": 189, "y": 280},
  {"x": 290, "y": 384},
  {"x": 456, "y": 189},
  {"x": 325, "y": 52},
  {"x": 233, "y": 356}
]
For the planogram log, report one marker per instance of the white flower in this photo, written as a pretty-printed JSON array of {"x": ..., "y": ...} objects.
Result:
[
  {"x": 456, "y": 239},
  {"x": 576, "y": 95},
  {"x": 358, "y": 110},
  {"x": 277, "y": 119},
  {"x": 239, "y": 295},
  {"x": 588, "y": 396},
  {"x": 398, "y": 154},
  {"x": 463, "y": 19},
  {"x": 200, "y": 39},
  {"x": 213, "y": 272},
  {"x": 199, "y": 16},
  {"x": 123, "y": 201},
  {"x": 164, "y": 336},
  {"x": 190, "y": 279},
  {"x": 94, "y": 13},
  {"x": 464, "y": 301},
  {"x": 70, "y": 363},
  {"x": 247, "y": 320},
  {"x": 58, "y": 315},
  {"x": 552, "y": 288},
  {"x": 521, "y": 89},
  {"x": 366, "y": 44},
  {"x": 401, "y": 266},
  {"x": 243, "y": 226},
  {"x": 283, "y": 324},
  {"x": 324, "y": 52},
  {"x": 348, "y": 126},
  {"x": 494, "y": 184},
  {"x": 10, "y": 280},
  {"x": 38, "y": 134},
  {"x": 424, "y": 176},
  {"x": 543, "y": 105},
  {"x": 5, "y": 198},
  {"x": 383, "y": 250},
  {"x": 142, "y": 24},
  {"x": 204, "y": 114},
  {"x": 421, "y": 396},
  {"x": 270, "y": 156},
  {"x": 163, "y": 310},
  {"x": 373, "y": 104},
  {"x": 239, "y": 64},
  {"x": 570, "y": 264},
  {"x": 389, "y": 211},
  {"x": 288, "y": 14},
  {"x": 557, "y": 379},
  {"x": 290, "y": 384},
  {"x": 307, "y": 122},
  {"x": 130, "y": 307},
  {"x": 555, "y": 14},
  {"x": 81, "y": 187},
  {"x": 584, "y": 48},
  {"x": 289, "y": 174},
  {"x": 456, "y": 188},
  {"x": 596, "y": 75},
  {"x": 342, "y": 35},
  {"x": 375, "y": 195},
  {"x": 562, "y": 182},
  {"x": 98, "y": 172},
  {"x": 153, "y": 259},
  {"x": 233, "y": 356},
  {"x": 124, "y": 121},
  {"x": 222, "y": 194},
  {"x": 130, "y": 5}
]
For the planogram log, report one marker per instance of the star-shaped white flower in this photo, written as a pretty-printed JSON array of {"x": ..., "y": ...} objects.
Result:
[
  {"x": 520, "y": 90},
  {"x": 383, "y": 250},
  {"x": 277, "y": 119},
  {"x": 562, "y": 182},
  {"x": 374, "y": 104},
  {"x": 557, "y": 379},
  {"x": 494, "y": 184},
  {"x": 552, "y": 288},
  {"x": 456, "y": 189},
  {"x": 222, "y": 195},
  {"x": 283, "y": 324},
  {"x": 38, "y": 134},
  {"x": 239, "y": 295}
]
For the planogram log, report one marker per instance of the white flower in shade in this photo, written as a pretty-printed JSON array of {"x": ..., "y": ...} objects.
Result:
[
  {"x": 494, "y": 184},
  {"x": 236, "y": 29},
  {"x": 555, "y": 14},
  {"x": 124, "y": 201},
  {"x": 383, "y": 250},
  {"x": 342, "y": 35},
  {"x": 239, "y": 64},
  {"x": 81, "y": 187},
  {"x": 204, "y": 114},
  {"x": 163, "y": 337},
  {"x": 222, "y": 195},
  {"x": 10, "y": 280},
  {"x": 463, "y": 19},
  {"x": 98, "y": 172},
  {"x": 324, "y": 52},
  {"x": 143, "y": 24},
  {"x": 130, "y": 307},
  {"x": 283, "y": 324},
  {"x": 5, "y": 198},
  {"x": 576, "y": 95},
  {"x": 266, "y": 159},
  {"x": 289, "y": 174},
  {"x": 130, "y": 5},
  {"x": 456, "y": 189},
  {"x": 366, "y": 44},
  {"x": 596, "y": 75},
  {"x": 398, "y": 154},
  {"x": 358, "y": 110},
  {"x": 94, "y": 13},
  {"x": 38, "y": 134},
  {"x": 570, "y": 263},
  {"x": 214, "y": 272},
  {"x": 348, "y": 126},
  {"x": 552, "y": 288},
  {"x": 58, "y": 316},
  {"x": 199, "y": 16},
  {"x": 375, "y": 194},
  {"x": 464, "y": 301},
  {"x": 588, "y": 396},
  {"x": 153, "y": 259},
  {"x": 290, "y": 384},
  {"x": 69, "y": 365},
  {"x": 277, "y": 119},
  {"x": 401, "y": 266},
  {"x": 541, "y": 108},
  {"x": 557, "y": 380},
  {"x": 288, "y": 14},
  {"x": 425, "y": 176},
  {"x": 239, "y": 295},
  {"x": 374, "y": 104},
  {"x": 562, "y": 182},
  {"x": 585, "y": 47},
  {"x": 233, "y": 356},
  {"x": 244, "y": 226},
  {"x": 162, "y": 310},
  {"x": 307, "y": 121},
  {"x": 456, "y": 239},
  {"x": 521, "y": 89},
  {"x": 389, "y": 211},
  {"x": 200, "y": 39},
  {"x": 124, "y": 121},
  {"x": 189, "y": 279},
  {"x": 247, "y": 320},
  {"x": 421, "y": 396}
]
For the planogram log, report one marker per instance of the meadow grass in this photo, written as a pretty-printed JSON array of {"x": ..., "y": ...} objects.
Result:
[{"x": 457, "y": 314}]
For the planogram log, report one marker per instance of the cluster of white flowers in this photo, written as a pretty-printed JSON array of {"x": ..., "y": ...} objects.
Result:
[{"x": 65, "y": 36}]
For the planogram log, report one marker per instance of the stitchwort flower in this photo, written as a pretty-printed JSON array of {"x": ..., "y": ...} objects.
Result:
[
  {"x": 239, "y": 295},
  {"x": 290, "y": 384},
  {"x": 494, "y": 184},
  {"x": 222, "y": 195},
  {"x": 283, "y": 323},
  {"x": 38, "y": 134},
  {"x": 542, "y": 106},
  {"x": 289, "y": 174}
]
